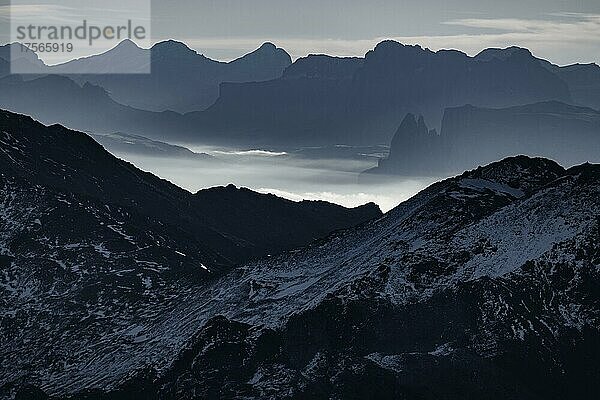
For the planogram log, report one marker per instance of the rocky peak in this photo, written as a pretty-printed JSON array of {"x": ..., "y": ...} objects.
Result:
[
  {"x": 520, "y": 172},
  {"x": 266, "y": 56},
  {"x": 513, "y": 52},
  {"x": 172, "y": 49},
  {"x": 391, "y": 54},
  {"x": 324, "y": 67},
  {"x": 411, "y": 128}
]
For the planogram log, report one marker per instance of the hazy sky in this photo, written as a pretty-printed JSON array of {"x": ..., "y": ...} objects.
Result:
[{"x": 564, "y": 31}]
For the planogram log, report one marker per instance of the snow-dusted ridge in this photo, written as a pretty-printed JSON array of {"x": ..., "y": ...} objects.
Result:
[
  {"x": 94, "y": 253},
  {"x": 488, "y": 272}
]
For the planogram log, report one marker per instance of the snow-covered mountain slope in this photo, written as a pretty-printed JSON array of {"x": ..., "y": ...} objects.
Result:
[
  {"x": 94, "y": 252},
  {"x": 78, "y": 275},
  {"x": 486, "y": 285}
]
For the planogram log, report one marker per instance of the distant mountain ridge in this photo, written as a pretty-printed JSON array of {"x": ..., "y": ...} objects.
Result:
[
  {"x": 365, "y": 100},
  {"x": 180, "y": 79},
  {"x": 54, "y": 99},
  {"x": 317, "y": 100},
  {"x": 583, "y": 79}
]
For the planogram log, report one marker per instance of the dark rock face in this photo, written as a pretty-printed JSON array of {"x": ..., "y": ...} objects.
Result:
[
  {"x": 568, "y": 134},
  {"x": 414, "y": 149},
  {"x": 474, "y": 136},
  {"x": 485, "y": 285}
]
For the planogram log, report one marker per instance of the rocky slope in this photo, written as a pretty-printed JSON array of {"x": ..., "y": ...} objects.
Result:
[{"x": 485, "y": 285}]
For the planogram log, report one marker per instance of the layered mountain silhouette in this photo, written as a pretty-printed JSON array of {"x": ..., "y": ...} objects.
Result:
[
  {"x": 583, "y": 80},
  {"x": 364, "y": 102},
  {"x": 21, "y": 58},
  {"x": 179, "y": 78},
  {"x": 314, "y": 101},
  {"x": 491, "y": 274},
  {"x": 472, "y": 136},
  {"x": 182, "y": 80},
  {"x": 54, "y": 99}
]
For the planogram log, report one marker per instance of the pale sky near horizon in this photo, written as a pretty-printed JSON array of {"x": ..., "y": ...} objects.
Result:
[{"x": 563, "y": 31}]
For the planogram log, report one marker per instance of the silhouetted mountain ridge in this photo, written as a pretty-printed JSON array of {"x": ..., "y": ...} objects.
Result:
[
  {"x": 182, "y": 80},
  {"x": 317, "y": 100},
  {"x": 392, "y": 80},
  {"x": 179, "y": 78},
  {"x": 323, "y": 66}
]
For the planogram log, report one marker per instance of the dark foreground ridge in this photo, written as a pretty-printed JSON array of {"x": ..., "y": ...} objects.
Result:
[
  {"x": 485, "y": 285},
  {"x": 70, "y": 162},
  {"x": 92, "y": 249}
]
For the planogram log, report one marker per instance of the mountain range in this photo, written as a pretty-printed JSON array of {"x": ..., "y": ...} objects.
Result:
[
  {"x": 179, "y": 78},
  {"x": 117, "y": 284},
  {"x": 315, "y": 100},
  {"x": 482, "y": 285},
  {"x": 363, "y": 101}
]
